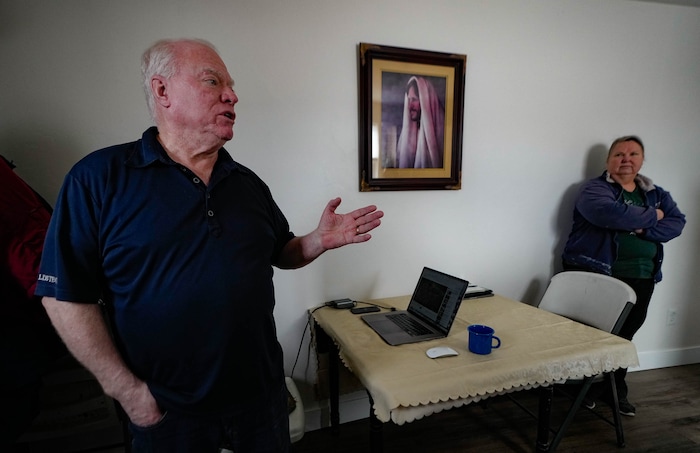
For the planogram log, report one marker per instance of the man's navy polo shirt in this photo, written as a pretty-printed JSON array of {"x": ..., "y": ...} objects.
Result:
[{"x": 185, "y": 270}]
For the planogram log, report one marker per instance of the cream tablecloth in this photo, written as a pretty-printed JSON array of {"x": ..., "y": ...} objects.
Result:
[{"x": 537, "y": 348}]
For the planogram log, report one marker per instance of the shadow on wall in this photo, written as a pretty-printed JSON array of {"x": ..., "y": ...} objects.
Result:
[
  {"x": 42, "y": 158},
  {"x": 534, "y": 291},
  {"x": 595, "y": 164}
]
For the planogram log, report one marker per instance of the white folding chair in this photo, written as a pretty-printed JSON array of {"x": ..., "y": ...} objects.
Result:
[{"x": 599, "y": 301}]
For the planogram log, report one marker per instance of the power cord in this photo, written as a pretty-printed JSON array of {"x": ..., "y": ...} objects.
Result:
[
  {"x": 376, "y": 305},
  {"x": 303, "y": 335},
  {"x": 307, "y": 327}
]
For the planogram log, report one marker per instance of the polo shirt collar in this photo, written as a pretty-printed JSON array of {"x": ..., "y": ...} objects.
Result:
[{"x": 152, "y": 151}]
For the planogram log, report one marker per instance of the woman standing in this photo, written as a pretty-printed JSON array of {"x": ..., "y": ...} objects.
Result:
[{"x": 621, "y": 220}]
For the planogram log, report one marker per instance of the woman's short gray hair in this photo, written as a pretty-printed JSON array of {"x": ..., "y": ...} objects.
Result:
[
  {"x": 626, "y": 138},
  {"x": 161, "y": 59}
]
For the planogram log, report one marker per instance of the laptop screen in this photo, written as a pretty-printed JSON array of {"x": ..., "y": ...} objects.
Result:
[
  {"x": 430, "y": 294},
  {"x": 437, "y": 297}
]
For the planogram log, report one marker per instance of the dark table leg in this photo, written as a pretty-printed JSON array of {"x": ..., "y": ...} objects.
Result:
[
  {"x": 545, "y": 410},
  {"x": 376, "y": 438},
  {"x": 334, "y": 388},
  {"x": 324, "y": 344}
]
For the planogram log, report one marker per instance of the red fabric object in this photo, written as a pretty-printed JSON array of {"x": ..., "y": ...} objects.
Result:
[{"x": 24, "y": 219}]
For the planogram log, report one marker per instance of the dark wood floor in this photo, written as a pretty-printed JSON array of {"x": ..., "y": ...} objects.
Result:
[{"x": 667, "y": 420}]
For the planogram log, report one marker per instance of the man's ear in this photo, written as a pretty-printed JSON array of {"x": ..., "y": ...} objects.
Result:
[{"x": 159, "y": 89}]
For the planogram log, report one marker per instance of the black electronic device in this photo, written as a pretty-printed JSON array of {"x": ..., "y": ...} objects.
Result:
[
  {"x": 475, "y": 292},
  {"x": 361, "y": 310},
  {"x": 341, "y": 303}
]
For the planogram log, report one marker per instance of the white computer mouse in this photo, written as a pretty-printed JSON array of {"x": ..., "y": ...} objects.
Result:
[{"x": 440, "y": 351}]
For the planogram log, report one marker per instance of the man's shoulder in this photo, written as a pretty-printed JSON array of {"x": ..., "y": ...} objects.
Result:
[
  {"x": 106, "y": 158},
  {"x": 235, "y": 165},
  {"x": 243, "y": 169}
]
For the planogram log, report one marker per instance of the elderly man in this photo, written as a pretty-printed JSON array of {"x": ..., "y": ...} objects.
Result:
[{"x": 177, "y": 242}]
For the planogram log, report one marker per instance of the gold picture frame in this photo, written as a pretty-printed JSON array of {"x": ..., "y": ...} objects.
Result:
[{"x": 411, "y": 114}]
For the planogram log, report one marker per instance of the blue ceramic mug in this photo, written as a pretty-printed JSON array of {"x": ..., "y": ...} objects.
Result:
[{"x": 481, "y": 339}]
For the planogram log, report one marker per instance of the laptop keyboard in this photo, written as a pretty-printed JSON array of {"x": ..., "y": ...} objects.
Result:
[{"x": 411, "y": 326}]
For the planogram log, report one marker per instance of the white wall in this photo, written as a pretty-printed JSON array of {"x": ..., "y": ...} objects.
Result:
[{"x": 549, "y": 84}]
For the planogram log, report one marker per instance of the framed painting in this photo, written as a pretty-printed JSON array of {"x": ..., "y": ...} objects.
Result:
[{"x": 411, "y": 113}]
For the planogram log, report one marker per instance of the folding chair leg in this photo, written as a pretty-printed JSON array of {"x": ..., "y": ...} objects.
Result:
[
  {"x": 610, "y": 377},
  {"x": 571, "y": 413}
]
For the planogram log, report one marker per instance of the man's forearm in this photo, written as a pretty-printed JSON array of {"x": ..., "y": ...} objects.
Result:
[
  {"x": 299, "y": 252},
  {"x": 84, "y": 331}
]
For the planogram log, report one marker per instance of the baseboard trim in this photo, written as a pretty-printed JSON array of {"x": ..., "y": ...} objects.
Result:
[
  {"x": 651, "y": 360},
  {"x": 355, "y": 406}
]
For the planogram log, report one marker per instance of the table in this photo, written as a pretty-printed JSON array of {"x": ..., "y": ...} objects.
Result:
[{"x": 538, "y": 349}]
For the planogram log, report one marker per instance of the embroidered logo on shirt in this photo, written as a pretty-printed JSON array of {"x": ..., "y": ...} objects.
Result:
[{"x": 47, "y": 278}]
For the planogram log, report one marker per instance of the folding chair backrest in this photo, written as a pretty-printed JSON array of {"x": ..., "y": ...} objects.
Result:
[{"x": 594, "y": 299}]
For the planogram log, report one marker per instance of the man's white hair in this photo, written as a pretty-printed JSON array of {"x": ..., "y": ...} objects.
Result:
[{"x": 161, "y": 59}]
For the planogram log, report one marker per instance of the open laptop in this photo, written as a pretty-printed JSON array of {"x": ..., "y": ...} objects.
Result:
[{"x": 430, "y": 312}]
